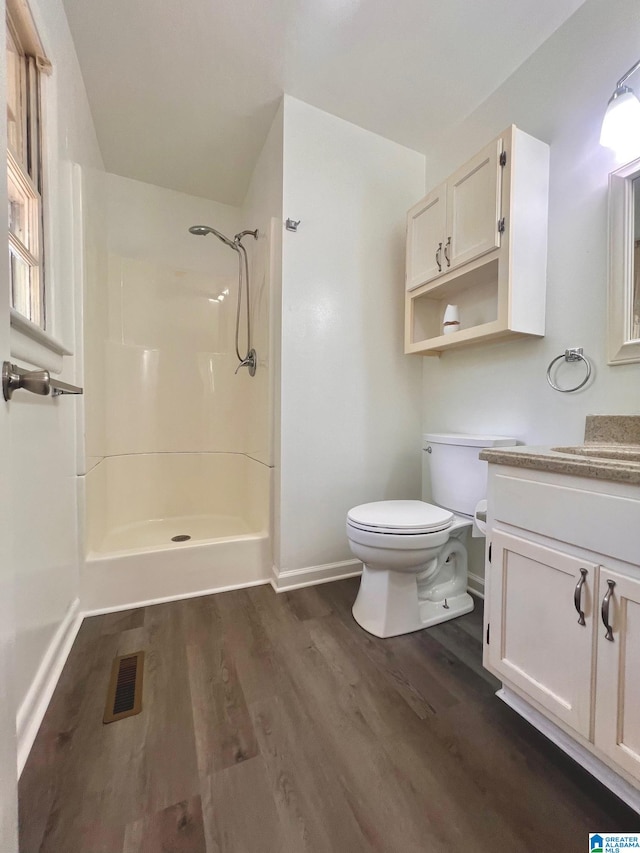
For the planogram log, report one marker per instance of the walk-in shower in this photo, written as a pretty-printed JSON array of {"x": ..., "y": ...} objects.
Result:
[
  {"x": 250, "y": 359},
  {"x": 179, "y": 449}
]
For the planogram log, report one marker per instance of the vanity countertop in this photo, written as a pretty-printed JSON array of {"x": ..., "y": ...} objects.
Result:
[
  {"x": 611, "y": 452},
  {"x": 548, "y": 459}
]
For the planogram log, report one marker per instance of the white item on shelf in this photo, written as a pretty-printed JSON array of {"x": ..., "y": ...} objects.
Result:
[{"x": 451, "y": 320}]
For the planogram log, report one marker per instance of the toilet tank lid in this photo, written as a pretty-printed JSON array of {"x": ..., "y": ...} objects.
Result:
[{"x": 465, "y": 440}]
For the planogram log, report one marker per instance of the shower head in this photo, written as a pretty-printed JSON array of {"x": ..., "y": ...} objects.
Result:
[{"x": 201, "y": 230}]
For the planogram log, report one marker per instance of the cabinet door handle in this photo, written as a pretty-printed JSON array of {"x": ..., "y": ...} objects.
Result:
[
  {"x": 577, "y": 596},
  {"x": 446, "y": 253},
  {"x": 438, "y": 252},
  {"x": 605, "y": 610}
]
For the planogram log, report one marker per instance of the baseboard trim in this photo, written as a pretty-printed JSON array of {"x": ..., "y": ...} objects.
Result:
[
  {"x": 101, "y": 611},
  {"x": 604, "y": 774},
  {"x": 288, "y": 580},
  {"x": 475, "y": 585},
  {"x": 36, "y": 702}
]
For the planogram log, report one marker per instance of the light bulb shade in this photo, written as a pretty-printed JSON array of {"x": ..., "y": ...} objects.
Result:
[{"x": 621, "y": 123}]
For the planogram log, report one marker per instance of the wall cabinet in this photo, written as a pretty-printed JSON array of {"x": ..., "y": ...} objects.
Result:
[
  {"x": 479, "y": 240},
  {"x": 563, "y": 622},
  {"x": 458, "y": 221}
]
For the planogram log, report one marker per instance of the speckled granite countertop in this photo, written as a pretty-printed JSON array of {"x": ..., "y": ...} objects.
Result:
[{"x": 611, "y": 452}]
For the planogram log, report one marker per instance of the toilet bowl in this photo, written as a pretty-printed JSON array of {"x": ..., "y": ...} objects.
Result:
[
  {"x": 414, "y": 558},
  {"x": 414, "y": 566}
]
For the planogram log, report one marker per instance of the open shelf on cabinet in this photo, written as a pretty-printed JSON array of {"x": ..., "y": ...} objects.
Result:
[{"x": 476, "y": 293}]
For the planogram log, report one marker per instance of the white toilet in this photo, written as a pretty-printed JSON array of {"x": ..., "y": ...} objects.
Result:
[{"x": 414, "y": 559}]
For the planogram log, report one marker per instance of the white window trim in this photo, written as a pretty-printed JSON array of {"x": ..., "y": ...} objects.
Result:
[{"x": 29, "y": 342}]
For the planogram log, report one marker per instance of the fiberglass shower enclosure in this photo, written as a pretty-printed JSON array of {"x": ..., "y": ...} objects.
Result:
[{"x": 178, "y": 497}]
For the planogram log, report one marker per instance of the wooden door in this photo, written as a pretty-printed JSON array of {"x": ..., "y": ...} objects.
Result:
[
  {"x": 473, "y": 207},
  {"x": 617, "y": 723},
  {"x": 425, "y": 238},
  {"x": 535, "y": 641}
]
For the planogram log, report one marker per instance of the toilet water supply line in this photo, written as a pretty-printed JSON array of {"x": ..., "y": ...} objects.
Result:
[{"x": 448, "y": 588}]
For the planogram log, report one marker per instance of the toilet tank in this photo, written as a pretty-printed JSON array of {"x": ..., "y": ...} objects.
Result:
[{"x": 458, "y": 479}]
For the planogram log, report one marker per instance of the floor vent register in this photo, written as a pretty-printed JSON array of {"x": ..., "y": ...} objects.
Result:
[{"x": 124, "y": 696}]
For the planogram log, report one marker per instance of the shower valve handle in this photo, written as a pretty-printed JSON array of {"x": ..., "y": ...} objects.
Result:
[{"x": 251, "y": 361}]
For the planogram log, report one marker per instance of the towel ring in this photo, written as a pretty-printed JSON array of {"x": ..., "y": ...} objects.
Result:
[{"x": 574, "y": 354}]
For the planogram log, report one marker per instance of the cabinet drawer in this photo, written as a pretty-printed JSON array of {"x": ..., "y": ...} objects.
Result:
[{"x": 604, "y": 523}]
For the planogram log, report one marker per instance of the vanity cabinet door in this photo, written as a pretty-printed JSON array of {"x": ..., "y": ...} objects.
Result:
[
  {"x": 473, "y": 208},
  {"x": 536, "y": 642},
  {"x": 425, "y": 238},
  {"x": 617, "y": 728}
]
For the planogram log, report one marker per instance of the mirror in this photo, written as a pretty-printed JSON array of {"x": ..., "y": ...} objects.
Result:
[{"x": 624, "y": 264}]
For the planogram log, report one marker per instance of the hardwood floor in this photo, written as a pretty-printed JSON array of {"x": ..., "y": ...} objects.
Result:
[{"x": 274, "y": 724}]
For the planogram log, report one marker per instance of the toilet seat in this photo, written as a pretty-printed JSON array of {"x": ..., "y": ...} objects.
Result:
[{"x": 399, "y": 518}]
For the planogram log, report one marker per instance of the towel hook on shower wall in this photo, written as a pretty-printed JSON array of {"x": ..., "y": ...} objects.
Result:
[{"x": 292, "y": 224}]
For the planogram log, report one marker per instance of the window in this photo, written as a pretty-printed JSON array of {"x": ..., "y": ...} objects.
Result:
[{"x": 25, "y": 60}]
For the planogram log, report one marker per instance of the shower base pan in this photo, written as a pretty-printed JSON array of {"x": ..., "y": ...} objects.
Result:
[
  {"x": 162, "y": 532},
  {"x": 141, "y": 564},
  {"x": 171, "y": 525}
]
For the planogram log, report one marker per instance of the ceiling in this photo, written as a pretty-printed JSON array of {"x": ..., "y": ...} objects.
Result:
[{"x": 183, "y": 92}]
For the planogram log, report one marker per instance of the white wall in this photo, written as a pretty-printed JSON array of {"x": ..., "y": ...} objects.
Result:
[
  {"x": 558, "y": 95},
  {"x": 44, "y": 501},
  {"x": 350, "y": 408}
]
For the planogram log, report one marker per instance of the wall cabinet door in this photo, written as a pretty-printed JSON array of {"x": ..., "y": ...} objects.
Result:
[
  {"x": 617, "y": 725},
  {"x": 473, "y": 207},
  {"x": 535, "y": 641},
  {"x": 425, "y": 238}
]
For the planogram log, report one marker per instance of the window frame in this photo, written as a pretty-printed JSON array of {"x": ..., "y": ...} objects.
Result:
[{"x": 24, "y": 169}]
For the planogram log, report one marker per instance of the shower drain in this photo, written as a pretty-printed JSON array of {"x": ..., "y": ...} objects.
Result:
[{"x": 181, "y": 537}]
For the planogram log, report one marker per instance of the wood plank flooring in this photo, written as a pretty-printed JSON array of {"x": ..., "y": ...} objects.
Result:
[{"x": 274, "y": 724}]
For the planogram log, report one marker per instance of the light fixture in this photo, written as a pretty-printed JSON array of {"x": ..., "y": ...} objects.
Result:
[{"x": 621, "y": 123}]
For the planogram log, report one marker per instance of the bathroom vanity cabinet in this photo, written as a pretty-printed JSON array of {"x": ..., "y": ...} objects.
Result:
[
  {"x": 479, "y": 240},
  {"x": 563, "y": 557}
]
